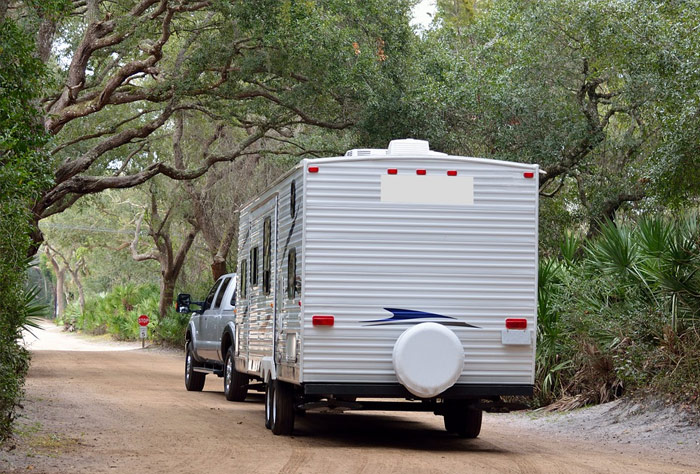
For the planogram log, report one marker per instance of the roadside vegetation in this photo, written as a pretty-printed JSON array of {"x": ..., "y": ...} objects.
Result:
[
  {"x": 621, "y": 313},
  {"x": 132, "y": 131}
]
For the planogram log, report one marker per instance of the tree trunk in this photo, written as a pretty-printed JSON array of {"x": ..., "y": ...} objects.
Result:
[
  {"x": 81, "y": 293},
  {"x": 167, "y": 290},
  {"x": 3, "y": 9},
  {"x": 218, "y": 269},
  {"x": 59, "y": 292}
]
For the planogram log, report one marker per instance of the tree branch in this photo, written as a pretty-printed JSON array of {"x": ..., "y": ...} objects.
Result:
[{"x": 140, "y": 257}]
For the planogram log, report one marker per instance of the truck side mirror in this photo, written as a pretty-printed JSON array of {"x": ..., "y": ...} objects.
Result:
[{"x": 183, "y": 303}]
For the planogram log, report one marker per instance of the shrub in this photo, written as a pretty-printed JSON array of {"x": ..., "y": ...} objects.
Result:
[
  {"x": 117, "y": 313},
  {"x": 624, "y": 318}
]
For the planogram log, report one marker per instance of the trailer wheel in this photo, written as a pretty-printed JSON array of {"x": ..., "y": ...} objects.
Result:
[
  {"x": 235, "y": 383},
  {"x": 194, "y": 381},
  {"x": 269, "y": 396},
  {"x": 282, "y": 408},
  {"x": 462, "y": 418}
]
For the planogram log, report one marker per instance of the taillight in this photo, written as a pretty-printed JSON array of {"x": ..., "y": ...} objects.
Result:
[
  {"x": 516, "y": 323},
  {"x": 322, "y": 320},
  {"x": 420, "y": 172},
  {"x": 313, "y": 169},
  {"x": 392, "y": 171},
  {"x": 452, "y": 173},
  {"x": 529, "y": 174}
]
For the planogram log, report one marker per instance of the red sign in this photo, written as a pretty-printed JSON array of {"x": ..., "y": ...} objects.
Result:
[{"x": 143, "y": 320}]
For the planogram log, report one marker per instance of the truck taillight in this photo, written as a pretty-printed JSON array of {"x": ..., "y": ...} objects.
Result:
[
  {"x": 516, "y": 323},
  {"x": 322, "y": 320}
]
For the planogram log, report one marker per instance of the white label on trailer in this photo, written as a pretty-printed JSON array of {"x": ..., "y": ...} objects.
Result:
[
  {"x": 516, "y": 337},
  {"x": 455, "y": 190}
]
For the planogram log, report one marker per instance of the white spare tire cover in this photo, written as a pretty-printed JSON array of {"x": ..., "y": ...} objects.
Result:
[{"x": 428, "y": 359}]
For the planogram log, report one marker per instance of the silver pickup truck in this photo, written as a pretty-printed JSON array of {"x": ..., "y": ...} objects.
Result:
[{"x": 209, "y": 339}]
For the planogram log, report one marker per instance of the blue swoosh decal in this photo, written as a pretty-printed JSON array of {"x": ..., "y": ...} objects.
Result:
[
  {"x": 410, "y": 316},
  {"x": 404, "y": 314}
]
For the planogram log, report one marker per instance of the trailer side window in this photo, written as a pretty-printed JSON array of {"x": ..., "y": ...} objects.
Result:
[
  {"x": 293, "y": 199},
  {"x": 291, "y": 273},
  {"x": 254, "y": 266},
  {"x": 222, "y": 290},
  {"x": 243, "y": 274},
  {"x": 267, "y": 255}
]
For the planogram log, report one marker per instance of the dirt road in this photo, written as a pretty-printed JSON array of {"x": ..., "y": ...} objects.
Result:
[{"x": 128, "y": 411}]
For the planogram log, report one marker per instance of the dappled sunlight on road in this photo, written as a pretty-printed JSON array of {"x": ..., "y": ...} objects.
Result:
[{"x": 52, "y": 338}]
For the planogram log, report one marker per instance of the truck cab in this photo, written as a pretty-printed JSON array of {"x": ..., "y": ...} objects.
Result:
[{"x": 210, "y": 332}]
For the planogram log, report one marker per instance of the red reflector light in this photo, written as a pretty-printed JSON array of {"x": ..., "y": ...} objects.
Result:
[
  {"x": 322, "y": 320},
  {"x": 516, "y": 323},
  {"x": 420, "y": 172},
  {"x": 529, "y": 174},
  {"x": 452, "y": 173},
  {"x": 313, "y": 169},
  {"x": 392, "y": 171}
]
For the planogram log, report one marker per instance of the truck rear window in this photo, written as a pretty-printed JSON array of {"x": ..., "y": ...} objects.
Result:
[{"x": 222, "y": 290}]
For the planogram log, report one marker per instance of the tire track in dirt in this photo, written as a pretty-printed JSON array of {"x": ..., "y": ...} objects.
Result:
[{"x": 130, "y": 412}]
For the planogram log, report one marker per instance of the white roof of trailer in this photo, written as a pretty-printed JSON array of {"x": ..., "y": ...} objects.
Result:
[{"x": 406, "y": 148}]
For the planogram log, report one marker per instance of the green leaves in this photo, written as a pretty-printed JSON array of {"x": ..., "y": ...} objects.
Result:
[{"x": 614, "y": 252}]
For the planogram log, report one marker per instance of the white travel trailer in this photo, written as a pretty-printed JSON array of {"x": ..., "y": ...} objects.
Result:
[{"x": 390, "y": 274}]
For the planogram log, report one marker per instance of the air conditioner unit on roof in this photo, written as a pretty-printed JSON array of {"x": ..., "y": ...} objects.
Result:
[{"x": 406, "y": 146}]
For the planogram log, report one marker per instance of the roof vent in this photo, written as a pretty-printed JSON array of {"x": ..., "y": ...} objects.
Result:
[
  {"x": 407, "y": 146},
  {"x": 410, "y": 146}
]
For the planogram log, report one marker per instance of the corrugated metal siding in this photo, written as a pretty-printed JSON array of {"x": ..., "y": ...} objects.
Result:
[
  {"x": 476, "y": 263},
  {"x": 255, "y": 313},
  {"x": 289, "y": 312}
]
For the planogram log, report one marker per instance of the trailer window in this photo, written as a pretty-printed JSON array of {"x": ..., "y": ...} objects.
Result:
[
  {"x": 254, "y": 266},
  {"x": 222, "y": 290},
  {"x": 267, "y": 255},
  {"x": 210, "y": 296},
  {"x": 293, "y": 199},
  {"x": 291, "y": 273},
  {"x": 243, "y": 275}
]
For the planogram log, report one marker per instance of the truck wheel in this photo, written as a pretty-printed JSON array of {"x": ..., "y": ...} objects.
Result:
[
  {"x": 269, "y": 397},
  {"x": 282, "y": 408},
  {"x": 194, "y": 381},
  {"x": 235, "y": 383},
  {"x": 462, "y": 418}
]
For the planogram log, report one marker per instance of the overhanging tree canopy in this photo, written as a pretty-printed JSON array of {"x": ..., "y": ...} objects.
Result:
[{"x": 267, "y": 68}]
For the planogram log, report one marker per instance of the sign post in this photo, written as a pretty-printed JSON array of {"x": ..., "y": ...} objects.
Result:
[{"x": 143, "y": 323}]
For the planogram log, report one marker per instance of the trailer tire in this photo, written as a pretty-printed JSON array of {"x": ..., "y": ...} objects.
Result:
[
  {"x": 235, "y": 383},
  {"x": 463, "y": 418},
  {"x": 282, "y": 408},
  {"x": 194, "y": 381},
  {"x": 269, "y": 397}
]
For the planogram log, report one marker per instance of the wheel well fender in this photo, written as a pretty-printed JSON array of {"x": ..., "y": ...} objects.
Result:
[
  {"x": 191, "y": 334},
  {"x": 227, "y": 339},
  {"x": 268, "y": 371}
]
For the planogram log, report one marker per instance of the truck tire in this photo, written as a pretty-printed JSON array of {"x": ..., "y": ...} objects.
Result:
[
  {"x": 194, "y": 381},
  {"x": 282, "y": 408},
  {"x": 462, "y": 418},
  {"x": 269, "y": 397},
  {"x": 235, "y": 383}
]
